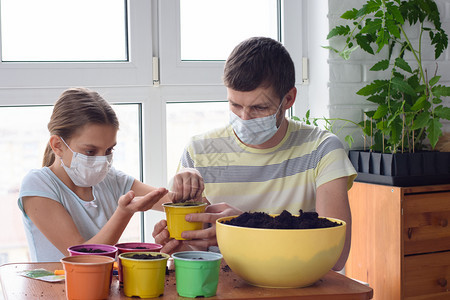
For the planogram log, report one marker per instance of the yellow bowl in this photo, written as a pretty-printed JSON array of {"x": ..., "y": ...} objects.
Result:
[{"x": 280, "y": 258}]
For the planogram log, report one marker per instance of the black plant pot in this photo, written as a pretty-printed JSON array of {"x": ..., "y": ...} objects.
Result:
[
  {"x": 375, "y": 163},
  {"x": 364, "y": 162},
  {"x": 402, "y": 169},
  {"x": 387, "y": 167}
]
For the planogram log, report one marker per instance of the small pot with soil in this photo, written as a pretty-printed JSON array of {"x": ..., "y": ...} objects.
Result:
[
  {"x": 143, "y": 273},
  {"x": 93, "y": 249},
  {"x": 135, "y": 247},
  {"x": 176, "y": 217}
]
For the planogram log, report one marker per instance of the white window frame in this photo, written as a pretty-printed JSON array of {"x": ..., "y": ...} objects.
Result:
[
  {"x": 137, "y": 71},
  {"x": 174, "y": 71}
]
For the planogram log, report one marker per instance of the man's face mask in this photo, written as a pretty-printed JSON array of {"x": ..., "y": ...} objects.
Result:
[
  {"x": 87, "y": 171},
  {"x": 255, "y": 131}
]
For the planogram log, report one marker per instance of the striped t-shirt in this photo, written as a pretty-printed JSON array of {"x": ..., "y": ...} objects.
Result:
[{"x": 268, "y": 180}]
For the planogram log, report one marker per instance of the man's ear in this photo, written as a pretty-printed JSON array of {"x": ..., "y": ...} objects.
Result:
[
  {"x": 290, "y": 97},
  {"x": 57, "y": 145}
]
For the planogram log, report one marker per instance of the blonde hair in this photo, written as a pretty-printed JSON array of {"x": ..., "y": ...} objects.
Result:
[{"x": 75, "y": 108}]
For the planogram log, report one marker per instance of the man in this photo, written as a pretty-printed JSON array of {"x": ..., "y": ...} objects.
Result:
[{"x": 263, "y": 161}]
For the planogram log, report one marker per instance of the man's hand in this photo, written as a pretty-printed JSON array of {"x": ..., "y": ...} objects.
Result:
[
  {"x": 187, "y": 185},
  {"x": 198, "y": 239}
]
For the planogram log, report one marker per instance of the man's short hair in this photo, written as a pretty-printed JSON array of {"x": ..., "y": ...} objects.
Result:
[{"x": 260, "y": 61}]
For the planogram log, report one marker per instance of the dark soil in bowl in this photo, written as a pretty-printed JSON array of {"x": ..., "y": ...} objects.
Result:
[
  {"x": 145, "y": 256},
  {"x": 306, "y": 220},
  {"x": 90, "y": 250}
]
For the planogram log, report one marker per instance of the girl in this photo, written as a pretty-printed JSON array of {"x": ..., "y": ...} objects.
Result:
[{"x": 77, "y": 197}]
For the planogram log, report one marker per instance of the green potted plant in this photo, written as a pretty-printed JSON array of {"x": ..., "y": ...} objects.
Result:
[{"x": 402, "y": 132}]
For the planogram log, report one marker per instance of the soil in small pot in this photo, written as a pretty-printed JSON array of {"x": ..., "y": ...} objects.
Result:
[
  {"x": 140, "y": 247},
  {"x": 186, "y": 204},
  {"x": 145, "y": 256},
  {"x": 306, "y": 220},
  {"x": 90, "y": 250}
]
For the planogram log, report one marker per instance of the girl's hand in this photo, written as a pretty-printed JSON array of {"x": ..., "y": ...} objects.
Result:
[
  {"x": 187, "y": 185},
  {"x": 131, "y": 204}
]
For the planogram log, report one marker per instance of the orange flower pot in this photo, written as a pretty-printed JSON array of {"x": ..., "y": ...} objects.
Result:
[{"x": 88, "y": 276}]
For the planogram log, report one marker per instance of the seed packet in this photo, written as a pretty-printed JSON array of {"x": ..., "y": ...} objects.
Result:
[{"x": 42, "y": 274}]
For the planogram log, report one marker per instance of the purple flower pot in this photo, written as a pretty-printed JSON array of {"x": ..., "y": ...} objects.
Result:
[{"x": 93, "y": 249}]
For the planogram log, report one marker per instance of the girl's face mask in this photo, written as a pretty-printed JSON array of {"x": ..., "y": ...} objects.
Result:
[
  {"x": 255, "y": 131},
  {"x": 87, "y": 171}
]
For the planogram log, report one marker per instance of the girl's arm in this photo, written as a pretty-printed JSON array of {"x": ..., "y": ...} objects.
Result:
[{"x": 52, "y": 219}]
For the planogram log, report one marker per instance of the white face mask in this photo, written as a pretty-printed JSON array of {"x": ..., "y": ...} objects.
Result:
[
  {"x": 87, "y": 171},
  {"x": 255, "y": 131}
]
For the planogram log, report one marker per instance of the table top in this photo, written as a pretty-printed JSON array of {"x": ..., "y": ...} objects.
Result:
[{"x": 332, "y": 286}]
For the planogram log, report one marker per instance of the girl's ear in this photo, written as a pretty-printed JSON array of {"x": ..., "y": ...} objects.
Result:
[
  {"x": 290, "y": 98},
  {"x": 57, "y": 145}
]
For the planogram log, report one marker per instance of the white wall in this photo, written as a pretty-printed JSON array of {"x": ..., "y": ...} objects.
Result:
[{"x": 347, "y": 77}]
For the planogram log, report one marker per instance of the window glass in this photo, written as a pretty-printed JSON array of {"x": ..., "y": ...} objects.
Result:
[
  {"x": 63, "y": 30},
  {"x": 23, "y": 137},
  {"x": 211, "y": 28},
  {"x": 187, "y": 119}
]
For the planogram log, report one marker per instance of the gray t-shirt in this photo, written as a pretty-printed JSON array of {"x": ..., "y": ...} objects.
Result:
[{"x": 89, "y": 217}]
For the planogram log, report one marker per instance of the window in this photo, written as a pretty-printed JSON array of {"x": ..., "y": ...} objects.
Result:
[
  {"x": 54, "y": 30},
  {"x": 24, "y": 136},
  {"x": 212, "y": 35},
  {"x": 36, "y": 52},
  {"x": 197, "y": 36}
]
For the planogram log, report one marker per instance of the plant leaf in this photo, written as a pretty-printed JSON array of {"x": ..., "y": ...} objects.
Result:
[
  {"x": 381, "y": 65},
  {"x": 393, "y": 29},
  {"x": 420, "y": 103},
  {"x": 381, "y": 112},
  {"x": 372, "y": 26},
  {"x": 364, "y": 42},
  {"x": 370, "y": 7},
  {"x": 376, "y": 99},
  {"x": 338, "y": 30},
  {"x": 434, "y": 80},
  {"x": 434, "y": 131},
  {"x": 331, "y": 48},
  {"x": 440, "y": 90},
  {"x": 346, "y": 53},
  {"x": 350, "y": 14},
  {"x": 442, "y": 112},
  {"x": 373, "y": 88},
  {"x": 402, "y": 64},
  {"x": 349, "y": 139},
  {"x": 396, "y": 14},
  {"x": 421, "y": 120},
  {"x": 437, "y": 101},
  {"x": 402, "y": 86}
]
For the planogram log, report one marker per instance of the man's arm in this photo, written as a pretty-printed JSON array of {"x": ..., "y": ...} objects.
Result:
[{"x": 332, "y": 201}]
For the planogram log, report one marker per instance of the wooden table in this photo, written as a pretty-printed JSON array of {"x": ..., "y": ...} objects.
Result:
[{"x": 332, "y": 286}]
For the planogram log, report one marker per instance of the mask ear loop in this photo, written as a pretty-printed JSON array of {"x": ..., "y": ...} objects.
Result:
[
  {"x": 65, "y": 143},
  {"x": 276, "y": 113},
  {"x": 60, "y": 158}
]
